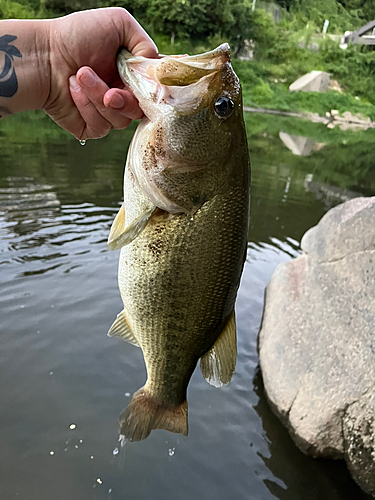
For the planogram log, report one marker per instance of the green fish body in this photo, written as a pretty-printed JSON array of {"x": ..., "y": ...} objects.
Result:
[{"x": 182, "y": 232}]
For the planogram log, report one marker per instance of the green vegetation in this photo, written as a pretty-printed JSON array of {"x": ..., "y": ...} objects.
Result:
[
  {"x": 266, "y": 85},
  {"x": 283, "y": 51}
]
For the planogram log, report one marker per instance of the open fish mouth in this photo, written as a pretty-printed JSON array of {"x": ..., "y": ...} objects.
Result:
[
  {"x": 180, "y": 81},
  {"x": 192, "y": 105}
]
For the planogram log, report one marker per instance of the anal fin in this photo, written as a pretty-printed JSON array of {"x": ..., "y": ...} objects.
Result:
[
  {"x": 121, "y": 329},
  {"x": 218, "y": 364}
]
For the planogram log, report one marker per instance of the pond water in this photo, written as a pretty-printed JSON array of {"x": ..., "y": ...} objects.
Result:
[{"x": 64, "y": 382}]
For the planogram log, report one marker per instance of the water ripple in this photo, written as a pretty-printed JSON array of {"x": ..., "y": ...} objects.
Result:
[{"x": 33, "y": 223}]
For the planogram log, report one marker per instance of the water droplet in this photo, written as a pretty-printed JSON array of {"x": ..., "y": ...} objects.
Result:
[
  {"x": 51, "y": 373},
  {"x": 22, "y": 306},
  {"x": 72, "y": 426},
  {"x": 122, "y": 440},
  {"x": 76, "y": 446},
  {"x": 92, "y": 457},
  {"x": 51, "y": 452},
  {"x": 115, "y": 451},
  {"x": 82, "y": 143},
  {"x": 127, "y": 394},
  {"x": 171, "y": 451},
  {"x": 110, "y": 490},
  {"x": 65, "y": 449},
  {"x": 99, "y": 480},
  {"x": 81, "y": 440}
]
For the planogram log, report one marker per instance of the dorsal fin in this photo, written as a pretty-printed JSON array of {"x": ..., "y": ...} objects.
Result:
[
  {"x": 121, "y": 329},
  {"x": 218, "y": 364},
  {"x": 120, "y": 236}
]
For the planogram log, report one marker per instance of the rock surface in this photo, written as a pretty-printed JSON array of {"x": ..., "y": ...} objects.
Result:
[
  {"x": 317, "y": 340},
  {"x": 315, "y": 81}
]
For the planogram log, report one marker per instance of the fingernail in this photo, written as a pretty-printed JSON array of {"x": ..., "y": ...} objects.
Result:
[
  {"x": 73, "y": 84},
  {"x": 117, "y": 101},
  {"x": 88, "y": 78}
]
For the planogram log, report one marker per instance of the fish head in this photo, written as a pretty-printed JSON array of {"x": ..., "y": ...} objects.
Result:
[{"x": 194, "y": 104}]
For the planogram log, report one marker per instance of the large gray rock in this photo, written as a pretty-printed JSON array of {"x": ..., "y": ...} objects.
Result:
[
  {"x": 317, "y": 340},
  {"x": 315, "y": 81}
]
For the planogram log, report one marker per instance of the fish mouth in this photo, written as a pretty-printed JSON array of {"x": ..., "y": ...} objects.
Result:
[{"x": 180, "y": 81}]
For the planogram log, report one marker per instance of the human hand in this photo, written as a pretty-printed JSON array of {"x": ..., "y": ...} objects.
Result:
[{"x": 87, "y": 97}]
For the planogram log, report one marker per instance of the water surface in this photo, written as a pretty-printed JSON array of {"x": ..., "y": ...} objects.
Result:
[{"x": 59, "y": 295}]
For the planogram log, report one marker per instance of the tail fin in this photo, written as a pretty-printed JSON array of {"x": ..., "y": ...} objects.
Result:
[{"x": 144, "y": 414}]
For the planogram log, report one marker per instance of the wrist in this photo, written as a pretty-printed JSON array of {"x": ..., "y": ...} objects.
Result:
[
  {"x": 29, "y": 86},
  {"x": 43, "y": 51}
]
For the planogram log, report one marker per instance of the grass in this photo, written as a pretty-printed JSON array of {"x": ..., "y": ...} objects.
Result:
[{"x": 267, "y": 85}]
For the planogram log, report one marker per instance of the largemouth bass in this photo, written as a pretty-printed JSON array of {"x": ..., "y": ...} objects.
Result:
[{"x": 182, "y": 230}]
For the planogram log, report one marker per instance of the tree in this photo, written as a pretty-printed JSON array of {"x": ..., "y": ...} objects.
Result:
[{"x": 197, "y": 19}]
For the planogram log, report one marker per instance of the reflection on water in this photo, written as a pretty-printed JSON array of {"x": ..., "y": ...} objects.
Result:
[
  {"x": 302, "y": 477},
  {"x": 300, "y": 146},
  {"x": 36, "y": 227},
  {"x": 328, "y": 194},
  {"x": 64, "y": 381}
]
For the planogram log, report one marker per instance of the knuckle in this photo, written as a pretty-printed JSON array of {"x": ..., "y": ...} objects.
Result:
[
  {"x": 96, "y": 100},
  {"x": 86, "y": 104}
]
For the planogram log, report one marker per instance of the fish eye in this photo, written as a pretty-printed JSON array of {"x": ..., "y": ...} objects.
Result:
[{"x": 224, "y": 106}]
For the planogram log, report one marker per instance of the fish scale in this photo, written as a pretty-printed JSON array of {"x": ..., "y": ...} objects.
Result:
[{"x": 199, "y": 264}]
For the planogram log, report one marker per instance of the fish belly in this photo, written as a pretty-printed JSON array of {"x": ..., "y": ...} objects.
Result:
[{"x": 178, "y": 281}]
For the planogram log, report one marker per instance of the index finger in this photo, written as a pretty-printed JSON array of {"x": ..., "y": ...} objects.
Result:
[{"x": 134, "y": 37}]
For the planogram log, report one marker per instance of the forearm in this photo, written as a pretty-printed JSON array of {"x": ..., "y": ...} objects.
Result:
[{"x": 24, "y": 65}]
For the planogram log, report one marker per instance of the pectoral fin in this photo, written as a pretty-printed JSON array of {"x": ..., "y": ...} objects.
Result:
[
  {"x": 218, "y": 364},
  {"x": 121, "y": 236},
  {"x": 121, "y": 329},
  {"x": 118, "y": 226}
]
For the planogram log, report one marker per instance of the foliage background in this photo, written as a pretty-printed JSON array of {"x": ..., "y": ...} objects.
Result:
[{"x": 283, "y": 51}]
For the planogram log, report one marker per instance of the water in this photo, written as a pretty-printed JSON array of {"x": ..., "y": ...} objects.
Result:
[{"x": 64, "y": 382}]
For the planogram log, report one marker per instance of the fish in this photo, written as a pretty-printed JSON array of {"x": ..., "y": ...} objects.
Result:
[{"x": 182, "y": 230}]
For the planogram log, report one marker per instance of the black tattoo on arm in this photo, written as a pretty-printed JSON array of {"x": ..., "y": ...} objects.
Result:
[{"x": 8, "y": 78}]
